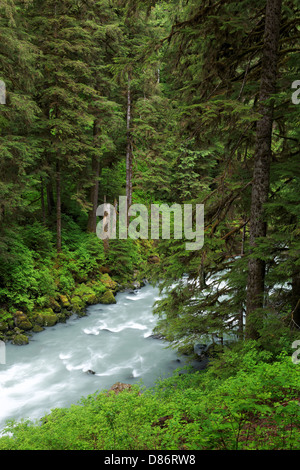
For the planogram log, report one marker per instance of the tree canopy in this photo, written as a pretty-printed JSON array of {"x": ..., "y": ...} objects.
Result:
[{"x": 164, "y": 102}]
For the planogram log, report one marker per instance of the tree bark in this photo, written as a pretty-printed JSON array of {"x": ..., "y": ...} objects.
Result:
[
  {"x": 296, "y": 299},
  {"x": 94, "y": 194},
  {"x": 261, "y": 171}
]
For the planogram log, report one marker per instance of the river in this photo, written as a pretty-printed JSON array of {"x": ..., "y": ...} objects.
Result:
[{"x": 114, "y": 341}]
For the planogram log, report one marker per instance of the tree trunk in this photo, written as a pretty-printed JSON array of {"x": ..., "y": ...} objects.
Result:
[
  {"x": 129, "y": 148},
  {"x": 296, "y": 299},
  {"x": 58, "y": 208},
  {"x": 94, "y": 194},
  {"x": 242, "y": 310},
  {"x": 92, "y": 218},
  {"x": 105, "y": 221},
  {"x": 260, "y": 182}
]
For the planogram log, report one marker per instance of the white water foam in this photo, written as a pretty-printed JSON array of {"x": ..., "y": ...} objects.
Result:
[{"x": 112, "y": 341}]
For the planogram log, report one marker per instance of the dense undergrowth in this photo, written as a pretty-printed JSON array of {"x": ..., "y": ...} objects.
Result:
[
  {"x": 39, "y": 286},
  {"x": 246, "y": 399},
  {"x": 31, "y": 271}
]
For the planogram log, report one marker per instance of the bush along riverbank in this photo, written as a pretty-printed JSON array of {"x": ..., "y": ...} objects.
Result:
[{"x": 41, "y": 288}]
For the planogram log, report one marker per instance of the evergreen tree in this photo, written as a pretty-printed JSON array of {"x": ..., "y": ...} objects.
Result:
[
  {"x": 19, "y": 145},
  {"x": 70, "y": 36},
  {"x": 262, "y": 158},
  {"x": 215, "y": 56}
]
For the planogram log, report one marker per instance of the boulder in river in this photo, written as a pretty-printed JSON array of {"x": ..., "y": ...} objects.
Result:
[
  {"x": 156, "y": 336},
  {"x": 45, "y": 317},
  {"x": 78, "y": 305},
  {"x": 200, "y": 349},
  {"x": 108, "y": 298},
  {"x": 20, "y": 340}
]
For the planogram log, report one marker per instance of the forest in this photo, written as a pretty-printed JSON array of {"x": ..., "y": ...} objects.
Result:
[{"x": 161, "y": 102}]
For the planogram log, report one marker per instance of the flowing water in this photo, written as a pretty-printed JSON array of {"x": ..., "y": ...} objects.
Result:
[{"x": 113, "y": 341}]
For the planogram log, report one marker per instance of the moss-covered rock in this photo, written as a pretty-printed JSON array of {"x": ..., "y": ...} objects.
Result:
[
  {"x": 45, "y": 317},
  {"x": 64, "y": 301},
  {"x": 107, "y": 281},
  {"x": 20, "y": 340},
  {"x": 62, "y": 317},
  {"x": 3, "y": 326},
  {"x": 9, "y": 333},
  {"x": 50, "y": 319},
  {"x": 87, "y": 294},
  {"x": 25, "y": 325},
  {"x": 37, "y": 329},
  {"x": 21, "y": 320},
  {"x": 19, "y": 316},
  {"x": 78, "y": 304},
  {"x": 108, "y": 298},
  {"x": 56, "y": 306}
]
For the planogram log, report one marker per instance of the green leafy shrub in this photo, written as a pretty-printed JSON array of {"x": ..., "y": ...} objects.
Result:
[
  {"x": 23, "y": 280},
  {"x": 38, "y": 239},
  {"x": 257, "y": 407}
]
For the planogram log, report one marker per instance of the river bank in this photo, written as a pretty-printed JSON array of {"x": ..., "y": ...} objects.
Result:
[
  {"x": 110, "y": 343},
  {"x": 18, "y": 326}
]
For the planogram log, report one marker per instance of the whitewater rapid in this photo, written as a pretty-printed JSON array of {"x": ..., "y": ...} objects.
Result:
[{"x": 115, "y": 342}]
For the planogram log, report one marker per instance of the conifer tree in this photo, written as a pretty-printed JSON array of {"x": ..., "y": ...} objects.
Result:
[
  {"x": 19, "y": 145},
  {"x": 262, "y": 159},
  {"x": 71, "y": 38},
  {"x": 216, "y": 65}
]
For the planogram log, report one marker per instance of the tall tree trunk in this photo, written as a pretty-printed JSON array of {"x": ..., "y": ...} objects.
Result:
[
  {"x": 94, "y": 194},
  {"x": 296, "y": 298},
  {"x": 260, "y": 182},
  {"x": 242, "y": 310},
  {"x": 58, "y": 208},
  {"x": 129, "y": 148},
  {"x": 92, "y": 218}
]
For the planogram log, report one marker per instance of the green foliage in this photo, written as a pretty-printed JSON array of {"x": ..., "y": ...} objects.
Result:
[
  {"x": 123, "y": 257},
  {"x": 195, "y": 70},
  {"x": 243, "y": 401},
  {"x": 30, "y": 271},
  {"x": 24, "y": 279}
]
